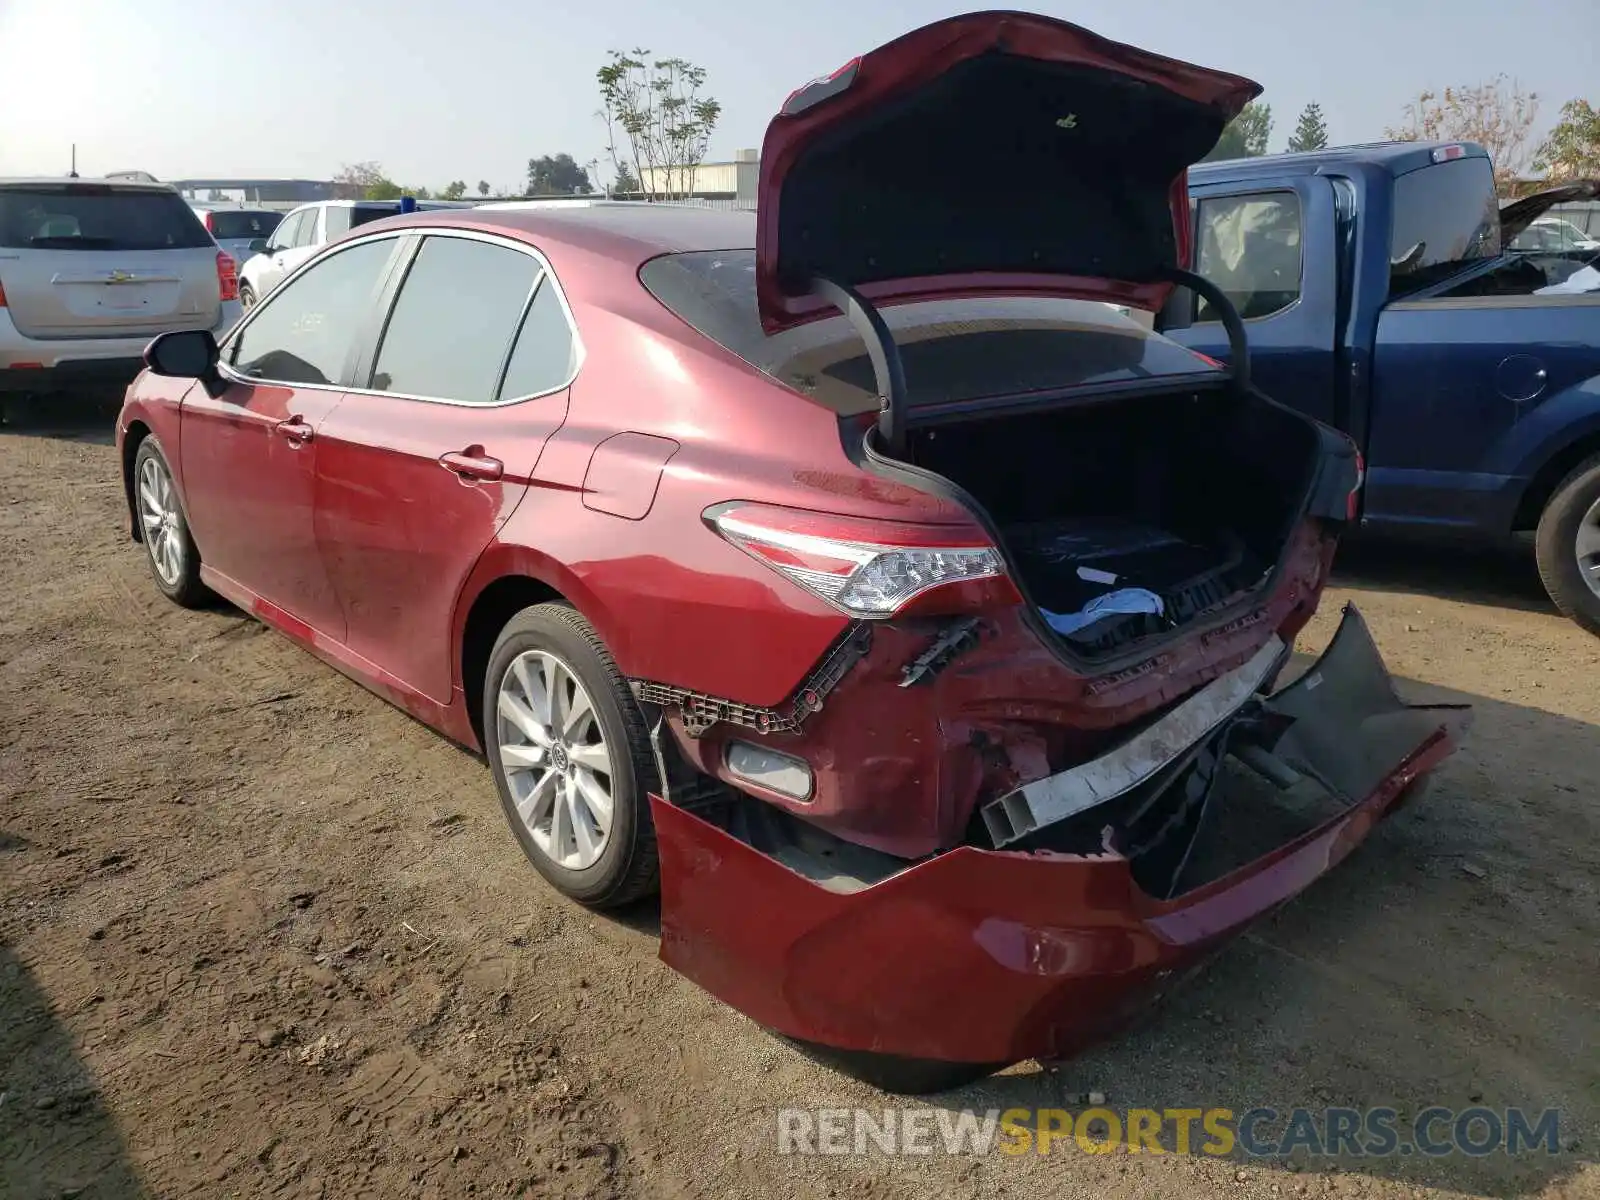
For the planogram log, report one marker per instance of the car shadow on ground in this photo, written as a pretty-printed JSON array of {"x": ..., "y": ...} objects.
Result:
[
  {"x": 69, "y": 417},
  {"x": 1493, "y": 578},
  {"x": 56, "y": 1136},
  {"x": 1448, "y": 962}
]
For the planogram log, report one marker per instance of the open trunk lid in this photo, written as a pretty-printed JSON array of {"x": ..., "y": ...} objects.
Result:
[
  {"x": 90, "y": 259},
  {"x": 1072, "y": 153},
  {"x": 1517, "y": 215}
]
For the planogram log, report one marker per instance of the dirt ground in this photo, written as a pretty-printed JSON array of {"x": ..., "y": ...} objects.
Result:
[{"x": 260, "y": 934}]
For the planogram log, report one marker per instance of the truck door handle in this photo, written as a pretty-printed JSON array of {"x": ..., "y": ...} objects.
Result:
[
  {"x": 472, "y": 463},
  {"x": 296, "y": 430}
]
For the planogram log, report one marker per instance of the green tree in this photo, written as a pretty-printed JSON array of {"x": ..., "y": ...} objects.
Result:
[
  {"x": 1572, "y": 151},
  {"x": 655, "y": 115},
  {"x": 1498, "y": 115},
  {"x": 483, "y": 187},
  {"x": 556, "y": 176},
  {"x": 1246, "y": 135},
  {"x": 1311, "y": 131},
  {"x": 625, "y": 183},
  {"x": 456, "y": 190}
]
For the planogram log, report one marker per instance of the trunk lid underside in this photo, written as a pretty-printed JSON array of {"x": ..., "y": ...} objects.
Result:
[{"x": 855, "y": 171}]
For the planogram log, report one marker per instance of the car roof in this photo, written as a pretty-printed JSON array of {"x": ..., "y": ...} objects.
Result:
[
  {"x": 1397, "y": 158},
  {"x": 128, "y": 185},
  {"x": 630, "y": 231}
]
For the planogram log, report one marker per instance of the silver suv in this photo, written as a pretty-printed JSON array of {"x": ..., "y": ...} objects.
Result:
[{"x": 91, "y": 270}]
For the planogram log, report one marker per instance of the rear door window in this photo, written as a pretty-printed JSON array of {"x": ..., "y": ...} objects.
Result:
[
  {"x": 452, "y": 324},
  {"x": 97, "y": 217},
  {"x": 283, "y": 237},
  {"x": 305, "y": 233},
  {"x": 304, "y": 332},
  {"x": 1249, "y": 246},
  {"x": 545, "y": 354}
]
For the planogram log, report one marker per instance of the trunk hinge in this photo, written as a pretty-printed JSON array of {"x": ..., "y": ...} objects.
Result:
[
  {"x": 887, "y": 371},
  {"x": 1238, "y": 340}
]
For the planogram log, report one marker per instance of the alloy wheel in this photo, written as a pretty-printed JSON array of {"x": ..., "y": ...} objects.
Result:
[
  {"x": 1587, "y": 547},
  {"x": 555, "y": 759},
  {"x": 163, "y": 527}
]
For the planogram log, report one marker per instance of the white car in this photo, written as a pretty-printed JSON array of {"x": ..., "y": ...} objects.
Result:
[
  {"x": 305, "y": 230},
  {"x": 1553, "y": 235},
  {"x": 91, "y": 270}
]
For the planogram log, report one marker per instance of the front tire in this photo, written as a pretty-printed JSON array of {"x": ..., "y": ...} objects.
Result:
[
  {"x": 566, "y": 742},
  {"x": 1567, "y": 545},
  {"x": 169, "y": 549},
  {"x": 247, "y": 296}
]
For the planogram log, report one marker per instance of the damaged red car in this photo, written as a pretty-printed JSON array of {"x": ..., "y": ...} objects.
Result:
[{"x": 853, "y": 572}]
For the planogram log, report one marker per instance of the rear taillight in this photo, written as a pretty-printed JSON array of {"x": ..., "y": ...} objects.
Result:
[
  {"x": 870, "y": 568},
  {"x": 227, "y": 275},
  {"x": 1352, "y": 502},
  {"x": 2, "y": 295},
  {"x": 211, "y": 225}
]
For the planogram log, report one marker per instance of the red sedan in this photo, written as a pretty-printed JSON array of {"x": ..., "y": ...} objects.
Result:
[{"x": 852, "y": 571}]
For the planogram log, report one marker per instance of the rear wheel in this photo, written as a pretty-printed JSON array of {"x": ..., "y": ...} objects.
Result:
[
  {"x": 174, "y": 560},
  {"x": 247, "y": 295},
  {"x": 1568, "y": 545},
  {"x": 571, "y": 758}
]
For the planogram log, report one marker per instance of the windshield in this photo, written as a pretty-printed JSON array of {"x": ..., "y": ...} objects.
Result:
[
  {"x": 243, "y": 226},
  {"x": 1445, "y": 215},
  {"x": 97, "y": 217},
  {"x": 952, "y": 350}
]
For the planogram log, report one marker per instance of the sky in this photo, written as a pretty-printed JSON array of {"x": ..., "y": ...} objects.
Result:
[{"x": 435, "y": 90}]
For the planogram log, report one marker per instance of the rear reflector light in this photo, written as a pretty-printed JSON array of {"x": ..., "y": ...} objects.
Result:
[
  {"x": 781, "y": 773},
  {"x": 227, "y": 275},
  {"x": 865, "y": 568}
]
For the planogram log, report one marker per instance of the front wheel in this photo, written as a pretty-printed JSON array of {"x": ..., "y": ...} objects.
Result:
[
  {"x": 247, "y": 295},
  {"x": 566, "y": 741},
  {"x": 1568, "y": 545},
  {"x": 170, "y": 550}
]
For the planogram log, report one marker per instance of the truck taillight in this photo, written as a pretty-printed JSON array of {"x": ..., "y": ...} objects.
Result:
[
  {"x": 869, "y": 568},
  {"x": 1352, "y": 503},
  {"x": 227, "y": 275}
]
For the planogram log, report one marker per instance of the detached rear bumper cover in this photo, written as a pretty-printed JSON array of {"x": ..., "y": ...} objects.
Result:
[{"x": 996, "y": 956}]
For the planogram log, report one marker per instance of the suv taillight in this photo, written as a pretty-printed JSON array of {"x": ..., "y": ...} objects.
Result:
[
  {"x": 227, "y": 275},
  {"x": 867, "y": 568}
]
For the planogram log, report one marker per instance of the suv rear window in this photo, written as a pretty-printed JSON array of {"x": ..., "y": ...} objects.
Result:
[
  {"x": 1445, "y": 216},
  {"x": 952, "y": 350},
  {"x": 94, "y": 217},
  {"x": 239, "y": 225}
]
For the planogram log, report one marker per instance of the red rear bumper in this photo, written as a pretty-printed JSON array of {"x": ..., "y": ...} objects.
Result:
[{"x": 996, "y": 956}]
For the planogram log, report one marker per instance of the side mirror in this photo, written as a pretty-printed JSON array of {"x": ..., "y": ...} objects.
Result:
[
  {"x": 185, "y": 354},
  {"x": 259, "y": 246}
]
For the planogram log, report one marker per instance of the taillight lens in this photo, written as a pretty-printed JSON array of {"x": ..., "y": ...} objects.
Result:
[
  {"x": 2, "y": 295},
  {"x": 227, "y": 275},
  {"x": 1352, "y": 502},
  {"x": 866, "y": 568},
  {"x": 211, "y": 225}
]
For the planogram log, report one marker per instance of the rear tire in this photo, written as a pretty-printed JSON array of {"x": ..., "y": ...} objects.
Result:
[
  {"x": 571, "y": 758},
  {"x": 170, "y": 551},
  {"x": 247, "y": 295},
  {"x": 1567, "y": 545}
]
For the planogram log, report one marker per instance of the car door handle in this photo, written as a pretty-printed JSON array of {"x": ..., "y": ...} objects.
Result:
[
  {"x": 296, "y": 430},
  {"x": 472, "y": 463}
]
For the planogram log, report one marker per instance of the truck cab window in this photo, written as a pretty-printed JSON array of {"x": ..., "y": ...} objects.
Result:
[{"x": 1249, "y": 246}]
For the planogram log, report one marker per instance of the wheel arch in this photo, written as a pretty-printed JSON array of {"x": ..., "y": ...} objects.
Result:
[{"x": 1548, "y": 477}]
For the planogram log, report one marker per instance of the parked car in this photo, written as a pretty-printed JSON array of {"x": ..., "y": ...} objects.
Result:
[
  {"x": 302, "y": 232},
  {"x": 1553, "y": 235},
  {"x": 1380, "y": 300},
  {"x": 905, "y": 613},
  {"x": 91, "y": 270},
  {"x": 237, "y": 230}
]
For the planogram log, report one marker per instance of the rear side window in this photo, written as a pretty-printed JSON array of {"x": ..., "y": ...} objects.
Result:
[
  {"x": 952, "y": 350},
  {"x": 303, "y": 333},
  {"x": 95, "y": 217},
  {"x": 1445, "y": 216},
  {"x": 452, "y": 324},
  {"x": 241, "y": 225},
  {"x": 1249, "y": 246},
  {"x": 542, "y": 359}
]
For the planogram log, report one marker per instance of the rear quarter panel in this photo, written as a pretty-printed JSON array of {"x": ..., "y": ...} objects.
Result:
[{"x": 1470, "y": 398}]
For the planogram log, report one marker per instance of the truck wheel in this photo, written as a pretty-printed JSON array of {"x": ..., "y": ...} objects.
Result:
[{"x": 1568, "y": 545}]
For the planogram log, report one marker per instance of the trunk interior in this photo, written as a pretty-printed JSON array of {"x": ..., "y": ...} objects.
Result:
[{"x": 1171, "y": 506}]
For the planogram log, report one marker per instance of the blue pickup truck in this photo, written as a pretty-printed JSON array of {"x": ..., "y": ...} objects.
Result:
[{"x": 1383, "y": 295}]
